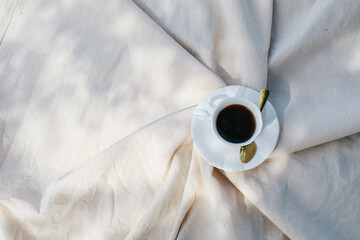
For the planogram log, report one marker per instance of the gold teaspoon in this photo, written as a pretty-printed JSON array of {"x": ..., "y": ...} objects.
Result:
[{"x": 247, "y": 152}]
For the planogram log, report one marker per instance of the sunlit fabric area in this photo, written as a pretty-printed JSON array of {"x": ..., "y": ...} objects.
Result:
[{"x": 97, "y": 132}]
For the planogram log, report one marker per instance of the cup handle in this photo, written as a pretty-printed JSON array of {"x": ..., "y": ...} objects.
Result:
[
  {"x": 216, "y": 98},
  {"x": 203, "y": 114}
]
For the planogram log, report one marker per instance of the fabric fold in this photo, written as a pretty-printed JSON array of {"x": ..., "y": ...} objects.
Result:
[{"x": 96, "y": 101}]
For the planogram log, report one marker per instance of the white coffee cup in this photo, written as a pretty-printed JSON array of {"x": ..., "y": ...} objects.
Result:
[{"x": 212, "y": 117}]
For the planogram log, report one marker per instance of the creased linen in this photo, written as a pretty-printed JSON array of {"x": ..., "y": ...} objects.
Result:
[
  {"x": 96, "y": 100},
  {"x": 311, "y": 50}
]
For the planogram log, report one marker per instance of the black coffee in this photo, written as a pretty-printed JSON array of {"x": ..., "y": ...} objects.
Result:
[{"x": 235, "y": 123}]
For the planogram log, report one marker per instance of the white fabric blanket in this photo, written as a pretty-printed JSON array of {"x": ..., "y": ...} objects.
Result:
[{"x": 96, "y": 100}]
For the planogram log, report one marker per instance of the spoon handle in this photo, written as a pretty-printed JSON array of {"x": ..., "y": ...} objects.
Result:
[{"x": 264, "y": 94}]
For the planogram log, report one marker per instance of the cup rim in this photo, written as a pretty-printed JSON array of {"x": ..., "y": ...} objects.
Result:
[{"x": 250, "y": 106}]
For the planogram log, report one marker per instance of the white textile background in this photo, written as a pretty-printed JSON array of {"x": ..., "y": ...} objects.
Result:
[{"x": 96, "y": 100}]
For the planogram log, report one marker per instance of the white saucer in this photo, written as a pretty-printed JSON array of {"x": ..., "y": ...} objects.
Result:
[{"x": 224, "y": 156}]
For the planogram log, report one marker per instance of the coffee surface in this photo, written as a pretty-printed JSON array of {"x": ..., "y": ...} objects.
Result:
[{"x": 235, "y": 123}]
